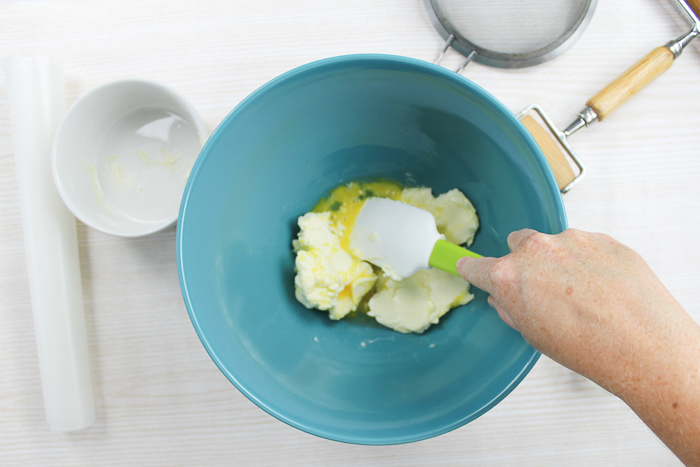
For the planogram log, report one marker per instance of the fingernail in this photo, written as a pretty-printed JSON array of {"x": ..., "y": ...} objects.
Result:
[{"x": 462, "y": 262}]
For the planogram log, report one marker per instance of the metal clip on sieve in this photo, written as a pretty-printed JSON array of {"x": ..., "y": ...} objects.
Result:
[{"x": 448, "y": 43}]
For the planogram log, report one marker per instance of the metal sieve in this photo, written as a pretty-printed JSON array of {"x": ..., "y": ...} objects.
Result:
[{"x": 509, "y": 33}]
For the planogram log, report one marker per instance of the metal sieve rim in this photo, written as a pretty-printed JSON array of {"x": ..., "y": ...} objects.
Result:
[{"x": 500, "y": 59}]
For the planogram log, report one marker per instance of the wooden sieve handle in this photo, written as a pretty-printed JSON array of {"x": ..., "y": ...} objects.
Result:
[
  {"x": 561, "y": 169},
  {"x": 631, "y": 81},
  {"x": 695, "y": 6}
]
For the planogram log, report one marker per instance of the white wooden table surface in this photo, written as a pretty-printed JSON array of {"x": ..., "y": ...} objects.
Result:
[{"x": 161, "y": 400}]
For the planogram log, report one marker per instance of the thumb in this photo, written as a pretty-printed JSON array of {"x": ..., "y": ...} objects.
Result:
[{"x": 477, "y": 271}]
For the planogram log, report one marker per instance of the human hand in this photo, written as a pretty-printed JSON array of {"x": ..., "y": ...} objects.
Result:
[
  {"x": 594, "y": 305},
  {"x": 578, "y": 297}
]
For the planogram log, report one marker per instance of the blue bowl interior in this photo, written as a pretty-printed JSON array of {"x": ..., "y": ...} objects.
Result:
[{"x": 270, "y": 160}]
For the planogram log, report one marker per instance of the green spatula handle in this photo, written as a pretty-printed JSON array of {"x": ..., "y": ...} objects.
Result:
[{"x": 446, "y": 254}]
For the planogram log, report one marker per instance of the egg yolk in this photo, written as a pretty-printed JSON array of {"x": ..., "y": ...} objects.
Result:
[{"x": 345, "y": 202}]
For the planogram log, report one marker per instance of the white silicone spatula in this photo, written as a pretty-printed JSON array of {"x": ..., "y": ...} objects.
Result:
[{"x": 402, "y": 239}]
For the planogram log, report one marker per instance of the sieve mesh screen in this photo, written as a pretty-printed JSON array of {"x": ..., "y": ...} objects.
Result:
[{"x": 513, "y": 29}]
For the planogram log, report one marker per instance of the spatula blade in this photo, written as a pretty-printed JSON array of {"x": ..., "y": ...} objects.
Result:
[{"x": 397, "y": 237}]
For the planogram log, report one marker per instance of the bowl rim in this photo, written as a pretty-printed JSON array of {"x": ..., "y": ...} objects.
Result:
[
  {"x": 241, "y": 107},
  {"x": 73, "y": 206}
]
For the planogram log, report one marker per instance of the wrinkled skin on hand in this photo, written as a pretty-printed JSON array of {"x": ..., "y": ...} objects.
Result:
[{"x": 595, "y": 306}]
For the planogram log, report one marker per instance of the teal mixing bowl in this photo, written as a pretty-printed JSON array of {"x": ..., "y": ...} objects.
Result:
[{"x": 270, "y": 160}]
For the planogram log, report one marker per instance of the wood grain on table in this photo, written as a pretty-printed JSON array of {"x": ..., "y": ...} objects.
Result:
[{"x": 160, "y": 398}]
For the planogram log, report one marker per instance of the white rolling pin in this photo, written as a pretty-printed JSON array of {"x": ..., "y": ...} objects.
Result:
[{"x": 36, "y": 89}]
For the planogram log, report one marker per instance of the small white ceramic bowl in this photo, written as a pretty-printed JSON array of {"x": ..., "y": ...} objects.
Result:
[{"x": 122, "y": 154}]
